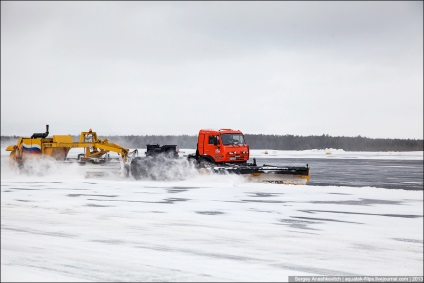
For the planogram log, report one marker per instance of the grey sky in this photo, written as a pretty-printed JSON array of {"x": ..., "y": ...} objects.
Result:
[{"x": 303, "y": 68}]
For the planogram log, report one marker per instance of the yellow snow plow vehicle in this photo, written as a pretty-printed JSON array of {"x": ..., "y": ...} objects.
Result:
[{"x": 95, "y": 150}]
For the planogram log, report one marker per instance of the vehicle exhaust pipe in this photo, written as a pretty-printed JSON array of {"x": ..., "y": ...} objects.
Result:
[{"x": 41, "y": 135}]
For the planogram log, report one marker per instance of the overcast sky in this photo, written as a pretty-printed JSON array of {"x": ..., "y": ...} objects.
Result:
[{"x": 301, "y": 68}]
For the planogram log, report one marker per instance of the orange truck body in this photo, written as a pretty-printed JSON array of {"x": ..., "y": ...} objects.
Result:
[{"x": 223, "y": 146}]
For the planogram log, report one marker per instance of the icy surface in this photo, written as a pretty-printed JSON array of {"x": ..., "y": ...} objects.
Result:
[
  {"x": 60, "y": 226},
  {"x": 336, "y": 154}
]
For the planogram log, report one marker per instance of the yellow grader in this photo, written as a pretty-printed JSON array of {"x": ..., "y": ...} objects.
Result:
[{"x": 95, "y": 150}]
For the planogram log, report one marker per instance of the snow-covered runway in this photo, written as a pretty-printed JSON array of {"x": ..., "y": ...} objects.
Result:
[
  {"x": 208, "y": 228},
  {"x": 63, "y": 227}
]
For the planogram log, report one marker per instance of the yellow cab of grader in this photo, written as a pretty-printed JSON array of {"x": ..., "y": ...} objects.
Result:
[{"x": 36, "y": 146}]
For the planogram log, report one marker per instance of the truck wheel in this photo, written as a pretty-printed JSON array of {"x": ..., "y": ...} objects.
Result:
[
  {"x": 205, "y": 162},
  {"x": 193, "y": 161}
]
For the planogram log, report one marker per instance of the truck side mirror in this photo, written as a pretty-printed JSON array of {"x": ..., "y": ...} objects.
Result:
[{"x": 216, "y": 141}]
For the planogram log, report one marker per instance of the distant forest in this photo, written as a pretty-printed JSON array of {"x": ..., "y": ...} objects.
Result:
[{"x": 276, "y": 142}]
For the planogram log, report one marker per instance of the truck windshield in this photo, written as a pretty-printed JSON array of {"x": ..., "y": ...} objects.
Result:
[{"x": 230, "y": 139}]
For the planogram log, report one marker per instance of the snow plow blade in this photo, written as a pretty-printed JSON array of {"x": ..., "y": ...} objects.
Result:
[{"x": 297, "y": 175}]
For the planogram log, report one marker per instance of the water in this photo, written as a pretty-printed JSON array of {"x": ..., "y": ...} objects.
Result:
[{"x": 390, "y": 174}]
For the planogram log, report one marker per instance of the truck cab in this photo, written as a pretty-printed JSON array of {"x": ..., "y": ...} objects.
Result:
[{"x": 222, "y": 146}]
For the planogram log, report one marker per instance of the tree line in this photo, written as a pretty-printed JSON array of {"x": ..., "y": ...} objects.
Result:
[{"x": 276, "y": 142}]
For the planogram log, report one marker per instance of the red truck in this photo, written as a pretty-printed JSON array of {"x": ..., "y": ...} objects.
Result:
[
  {"x": 223, "y": 151},
  {"x": 221, "y": 146}
]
